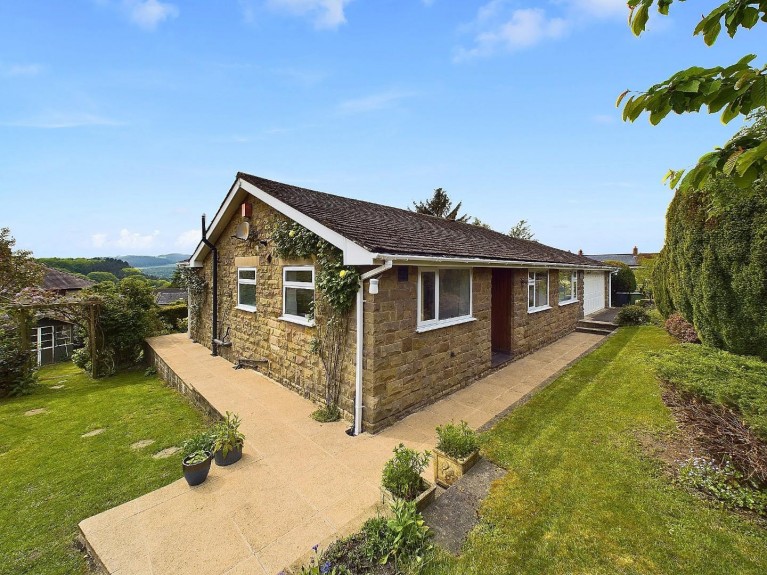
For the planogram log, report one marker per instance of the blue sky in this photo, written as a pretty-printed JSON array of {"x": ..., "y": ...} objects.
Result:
[{"x": 121, "y": 121}]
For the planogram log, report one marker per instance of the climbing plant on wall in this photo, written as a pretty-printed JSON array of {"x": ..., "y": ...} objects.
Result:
[{"x": 336, "y": 288}]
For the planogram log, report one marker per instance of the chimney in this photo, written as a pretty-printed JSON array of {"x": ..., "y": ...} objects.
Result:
[
  {"x": 580, "y": 252},
  {"x": 636, "y": 251}
]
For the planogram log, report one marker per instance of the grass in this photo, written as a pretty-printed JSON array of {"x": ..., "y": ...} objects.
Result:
[
  {"x": 719, "y": 377},
  {"x": 52, "y": 478},
  {"x": 581, "y": 496}
]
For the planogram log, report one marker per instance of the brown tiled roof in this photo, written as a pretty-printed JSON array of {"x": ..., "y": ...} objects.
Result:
[
  {"x": 60, "y": 280},
  {"x": 388, "y": 230}
]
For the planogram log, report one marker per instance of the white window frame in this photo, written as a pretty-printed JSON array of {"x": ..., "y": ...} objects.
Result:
[
  {"x": 240, "y": 282},
  {"x": 437, "y": 323},
  {"x": 531, "y": 282},
  {"x": 296, "y": 285},
  {"x": 574, "y": 287}
]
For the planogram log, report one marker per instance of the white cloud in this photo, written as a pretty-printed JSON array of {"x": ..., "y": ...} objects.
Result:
[
  {"x": 372, "y": 102},
  {"x": 524, "y": 28},
  {"x": 500, "y": 25},
  {"x": 126, "y": 240},
  {"x": 59, "y": 120},
  {"x": 188, "y": 239},
  {"x": 147, "y": 14},
  {"x": 21, "y": 70},
  {"x": 325, "y": 13}
]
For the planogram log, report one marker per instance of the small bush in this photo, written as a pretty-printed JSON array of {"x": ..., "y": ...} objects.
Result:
[
  {"x": 724, "y": 483},
  {"x": 203, "y": 441},
  {"x": 457, "y": 441},
  {"x": 632, "y": 315},
  {"x": 326, "y": 414},
  {"x": 681, "y": 329},
  {"x": 402, "y": 473},
  {"x": 410, "y": 542},
  {"x": 18, "y": 373}
]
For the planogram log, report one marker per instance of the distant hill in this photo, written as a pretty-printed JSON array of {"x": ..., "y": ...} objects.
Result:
[
  {"x": 85, "y": 266},
  {"x": 154, "y": 261}
]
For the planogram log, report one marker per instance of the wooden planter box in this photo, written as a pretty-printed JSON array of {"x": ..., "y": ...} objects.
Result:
[
  {"x": 423, "y": 500},
  {"x": 448, "y": 470}
]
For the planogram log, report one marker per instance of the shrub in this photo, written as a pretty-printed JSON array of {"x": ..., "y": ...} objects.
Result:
[
  {"x": 326, "y": 414},
  {"x": 713, "y": 268},
  {"x": 720, "y": 378},
  {"x": 402, "y": 473},
  {"x": 173, "y": 315},
  {"x": 633, "y": 315},
  {"x": 410, "y": 533},
  {"x": 724, "y": 483},
  {"x": 457, "y": 441},
  {"x": 681, "y": 329},
  {"x": 18, "y": 373},
  {"x": 624, "y": 280}
]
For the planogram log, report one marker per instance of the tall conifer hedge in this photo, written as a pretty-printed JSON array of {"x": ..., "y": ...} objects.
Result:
[{"x": 713, "y": 268}]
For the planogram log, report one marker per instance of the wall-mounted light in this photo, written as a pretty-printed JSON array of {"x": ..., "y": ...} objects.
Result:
[{"x": 373, "y": 289}]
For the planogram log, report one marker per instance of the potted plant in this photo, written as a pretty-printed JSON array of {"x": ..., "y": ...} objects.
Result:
[
  {"x": 401, "y": 478},
  {"x": 457, "y": 451},
  {"x": 228, "y": 440},
  {"x": 197, "y": 453}
]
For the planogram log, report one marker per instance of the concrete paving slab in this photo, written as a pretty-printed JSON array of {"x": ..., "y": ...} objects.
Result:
[{"x": 299, "y": 483}]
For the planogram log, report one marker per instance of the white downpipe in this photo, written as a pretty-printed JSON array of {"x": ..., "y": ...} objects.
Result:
[{"x": 360, "y": 342}]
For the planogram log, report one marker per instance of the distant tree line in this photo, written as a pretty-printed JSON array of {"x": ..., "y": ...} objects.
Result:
[{"x": 84, "y": 266}]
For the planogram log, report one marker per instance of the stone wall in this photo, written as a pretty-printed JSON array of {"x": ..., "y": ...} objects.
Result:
[
  {"x": 404, "y": 369},
  {"x": 531, "y": 331},
  {"x": 285, "y": 346}
]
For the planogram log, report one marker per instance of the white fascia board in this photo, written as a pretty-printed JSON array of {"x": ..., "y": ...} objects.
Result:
[
  {"x": 223, "y": 215},
  {"x": 354, "y": 254},
  {"x": 479, "y": 262}
]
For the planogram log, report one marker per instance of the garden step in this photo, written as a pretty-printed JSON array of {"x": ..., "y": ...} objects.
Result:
[
  {"x": 454, "y": 513},
  {"x": 596, "y": 324},
  {"x": 594, "y": 330}
]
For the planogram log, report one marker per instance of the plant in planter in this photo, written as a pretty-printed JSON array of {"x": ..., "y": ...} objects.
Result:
[
  {"x": 401, "y": 478},
  {"x": 457, "y": 451},
  {"x": 228, "y": 440},
  {"x": 197, "y": 453}
]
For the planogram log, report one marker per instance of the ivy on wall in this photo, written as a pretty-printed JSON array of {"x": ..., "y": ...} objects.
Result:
[{"x": 336, "y": 288}]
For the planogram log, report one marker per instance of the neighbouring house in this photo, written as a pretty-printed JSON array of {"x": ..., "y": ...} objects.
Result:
[
  {"x": 632, "y": 260},
  {"x": 52, "y": 339},
  {"x": 169, "y": 296},
  {"x": 444, "y": 302}
]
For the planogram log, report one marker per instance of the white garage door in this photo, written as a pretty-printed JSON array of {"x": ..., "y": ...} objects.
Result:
[{"x": 594, "y": 292}]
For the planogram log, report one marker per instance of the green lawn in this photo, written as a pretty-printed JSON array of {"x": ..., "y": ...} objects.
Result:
[
  {"x": 580, "y": 495},
  {"x": 51, "y": 478}
]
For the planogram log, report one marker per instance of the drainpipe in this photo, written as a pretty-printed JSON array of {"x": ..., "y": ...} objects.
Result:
[
  {"x": 360, "y": 339},
  {"x": 214, "y": 252}
]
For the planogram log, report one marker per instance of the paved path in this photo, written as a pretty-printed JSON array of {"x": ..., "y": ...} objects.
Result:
[{"x": 299, "y": 482}]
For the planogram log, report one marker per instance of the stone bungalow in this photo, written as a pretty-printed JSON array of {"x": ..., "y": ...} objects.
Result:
[{"x": 444, "y": 302}]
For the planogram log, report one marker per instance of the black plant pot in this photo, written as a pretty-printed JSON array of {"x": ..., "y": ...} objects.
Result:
[
  {"x": 196, "y": 473},
  {"x": 232, "y": 456}
]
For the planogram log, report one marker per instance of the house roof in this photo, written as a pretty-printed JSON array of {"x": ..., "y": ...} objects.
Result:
[
  {"x": 168, "y": 296},
  {"x": 384, "y": 231},
  {"x": 56, "y": 279},
  {"x": 629, "y": 259}
]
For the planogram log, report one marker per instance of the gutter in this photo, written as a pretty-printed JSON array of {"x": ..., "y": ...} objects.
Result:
[
  {"x": 479, "y": 262},
  {"x": 357, "y": 429},
  {"x": 214, "y": 253}
]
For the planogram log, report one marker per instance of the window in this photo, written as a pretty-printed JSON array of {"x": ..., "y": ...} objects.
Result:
[
  {"x": 444, "y": 297},
  {"x": 537, "y": 291},
  {"x": 568, "y": 286},
  {"x": 246, "y": 289},
  {"x": 298, "y": 294}
]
